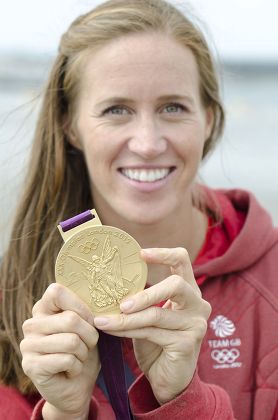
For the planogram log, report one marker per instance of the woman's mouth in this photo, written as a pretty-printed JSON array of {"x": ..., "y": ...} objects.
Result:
[{"x": 146, "y": 175}]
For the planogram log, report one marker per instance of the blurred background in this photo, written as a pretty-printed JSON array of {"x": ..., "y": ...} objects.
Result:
[{"x": 244, "y": 38}]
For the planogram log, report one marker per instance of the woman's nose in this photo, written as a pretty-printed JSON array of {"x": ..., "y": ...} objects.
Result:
[{"x": 147, "y": 140}]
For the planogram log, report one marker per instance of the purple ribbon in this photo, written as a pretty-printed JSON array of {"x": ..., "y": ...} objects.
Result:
[
  {"x": 110, "y": 350},
  {"x": 112, "y": 366},
  {"x": 76, "y": 220}
]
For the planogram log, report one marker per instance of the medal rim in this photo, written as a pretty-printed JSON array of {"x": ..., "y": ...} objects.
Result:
[{"x": 106, "y": 227}]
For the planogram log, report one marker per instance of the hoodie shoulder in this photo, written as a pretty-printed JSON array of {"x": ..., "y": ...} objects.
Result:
[
  {"x": 262, "y": 276},
  {"x": 256, "y": 241}
]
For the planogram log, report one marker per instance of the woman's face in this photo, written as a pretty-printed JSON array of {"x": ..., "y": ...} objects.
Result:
[{"x": 142, "y": 127}]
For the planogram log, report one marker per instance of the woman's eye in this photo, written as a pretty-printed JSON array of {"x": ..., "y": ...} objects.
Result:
[
  {"x": 174, "y": 108},
  {"x": 116, "y": 110}
]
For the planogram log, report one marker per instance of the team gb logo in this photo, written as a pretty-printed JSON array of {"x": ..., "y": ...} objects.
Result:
[{"x": 222, "y": 326}]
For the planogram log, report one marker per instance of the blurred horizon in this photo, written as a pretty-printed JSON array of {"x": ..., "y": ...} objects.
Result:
[
  {"x": 246, "y": 156},
  {"x": 21, "y": 66}
]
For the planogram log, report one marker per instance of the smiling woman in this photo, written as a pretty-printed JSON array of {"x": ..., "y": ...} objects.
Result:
[
  {"x": 130, "y": 127},
  {"x": 131, "y": 109}
]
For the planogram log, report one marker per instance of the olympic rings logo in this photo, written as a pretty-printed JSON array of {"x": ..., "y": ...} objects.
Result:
[
  {"x": 225, "y": 355},
  {"x": 87, "y": 247}
]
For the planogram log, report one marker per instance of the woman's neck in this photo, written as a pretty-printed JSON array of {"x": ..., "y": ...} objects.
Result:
[
  {"x": 186, "y": 228},
  {"x": 188, "y": 233}
]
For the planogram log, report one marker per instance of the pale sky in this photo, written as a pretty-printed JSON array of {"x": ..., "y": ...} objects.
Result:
[{"x": 239, "y": 28}]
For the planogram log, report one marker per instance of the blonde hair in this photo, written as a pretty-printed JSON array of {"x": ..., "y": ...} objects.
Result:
[{"x": 57, "y": 185}]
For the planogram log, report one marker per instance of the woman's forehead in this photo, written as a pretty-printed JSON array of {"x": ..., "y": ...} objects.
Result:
[{"x": 147, "y": 59}]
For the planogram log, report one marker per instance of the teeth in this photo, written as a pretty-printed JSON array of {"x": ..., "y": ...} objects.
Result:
[{"x": 146, "y": 175}]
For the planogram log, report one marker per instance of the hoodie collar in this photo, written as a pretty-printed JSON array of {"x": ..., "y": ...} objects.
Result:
[{"x": 243, "y": 235}]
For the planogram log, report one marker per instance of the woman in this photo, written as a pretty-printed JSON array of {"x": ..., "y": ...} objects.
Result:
[{"x": 131, "y": 108}]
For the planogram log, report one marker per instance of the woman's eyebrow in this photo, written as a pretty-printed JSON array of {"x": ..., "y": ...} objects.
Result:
[
  {"x": 126, "y": 100},
  {"x": 175, "y": 97},
  {"x": 114, "y": 100}
]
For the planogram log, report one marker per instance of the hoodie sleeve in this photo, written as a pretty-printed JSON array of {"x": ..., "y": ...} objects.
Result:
[
  {"x": 94, "y": 413},
  {"x": 100, "y": 409},
  {"x": 199, "y": 401}
]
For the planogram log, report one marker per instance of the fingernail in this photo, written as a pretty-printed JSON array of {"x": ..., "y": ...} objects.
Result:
[
  {"x": 147, "y": 251},
  {"x": 99, "y": 321},
  {"x": 125, "y": 306}
]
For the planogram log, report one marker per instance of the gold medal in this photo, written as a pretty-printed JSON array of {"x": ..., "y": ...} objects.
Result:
[{"x": 101, "y": 264}]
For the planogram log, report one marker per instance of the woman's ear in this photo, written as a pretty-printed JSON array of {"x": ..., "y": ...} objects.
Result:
[
  {"x": 209, "y": 122},
  {"x": 71, "y": 134}
]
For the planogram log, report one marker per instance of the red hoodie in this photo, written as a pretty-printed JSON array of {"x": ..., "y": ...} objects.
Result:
[{"x": 237, "y": 375}]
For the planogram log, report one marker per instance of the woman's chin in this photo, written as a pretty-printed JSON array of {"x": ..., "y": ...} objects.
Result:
[{"x": 146, "y": 215}]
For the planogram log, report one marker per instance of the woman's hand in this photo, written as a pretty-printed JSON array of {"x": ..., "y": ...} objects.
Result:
[
  {"x": 167, "y": 339},
  {"x": 60, "y": 354}
]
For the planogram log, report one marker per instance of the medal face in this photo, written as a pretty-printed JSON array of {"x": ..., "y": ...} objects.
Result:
[{"x": 102, "y": 265}]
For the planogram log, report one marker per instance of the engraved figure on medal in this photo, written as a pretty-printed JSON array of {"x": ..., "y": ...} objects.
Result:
[
  {"x": 104, "y": 275},
  {"x": 102, "y": 265}
]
